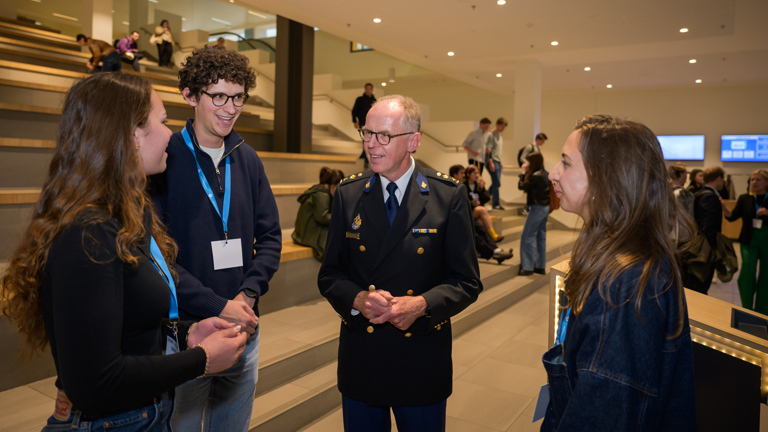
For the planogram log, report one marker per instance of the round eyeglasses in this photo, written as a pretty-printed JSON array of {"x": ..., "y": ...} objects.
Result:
[
  {"x": 221, "y": 99},
  {"x": 382, "y": 137}
]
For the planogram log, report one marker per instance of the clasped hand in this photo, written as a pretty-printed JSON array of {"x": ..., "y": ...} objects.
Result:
[{"x": 380, "y": 306}]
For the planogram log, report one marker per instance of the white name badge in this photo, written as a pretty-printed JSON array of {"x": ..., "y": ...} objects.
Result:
[
  {"x": 171, "y": 344},
  {"x": 227, "y": 254},
  {"x": 757, "y": 223}
]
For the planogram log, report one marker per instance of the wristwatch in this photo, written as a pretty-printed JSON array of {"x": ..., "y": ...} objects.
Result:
[{"x": 250, "y": 293}]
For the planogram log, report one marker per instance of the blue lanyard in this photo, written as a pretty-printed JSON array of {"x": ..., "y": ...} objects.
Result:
[
  {"x": 159, "y": 260},
  {"x": 764, "y": 199},
  {"x": 563, "y": 326},
  {"x": 207, "y": 187}
]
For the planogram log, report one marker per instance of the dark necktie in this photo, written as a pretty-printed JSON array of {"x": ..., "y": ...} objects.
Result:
[{"x": 392, "y": 204}]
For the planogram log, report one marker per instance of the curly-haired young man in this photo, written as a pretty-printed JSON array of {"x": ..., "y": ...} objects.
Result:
[{"x": 216, "y": 201}]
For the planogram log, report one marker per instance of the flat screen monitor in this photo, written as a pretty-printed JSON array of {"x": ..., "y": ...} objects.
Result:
[
  {"x": 744, "y": 148},
  {"x": 682, "y": 147}
]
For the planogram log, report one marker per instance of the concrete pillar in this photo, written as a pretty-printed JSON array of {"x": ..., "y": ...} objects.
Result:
[
  {"x": 294, "y": 71},
  {"x": 8, "y": 9},
  {"x": 138, "y": 16},
  {"x": 97, "y": 19},
  {"x": 527, "y": 120}
]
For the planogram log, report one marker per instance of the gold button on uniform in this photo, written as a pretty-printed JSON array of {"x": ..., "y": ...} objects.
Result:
[
  {"x": 362, "y": 248},
  {"x": 407, "y": 335},
  {"x": 418, "y": 251},
  {"x": 370, "y": 329},
  {"x": 437, "y": 327},
  {"x": 371, "y": 287},
  {"x": 409, "y": 292}
]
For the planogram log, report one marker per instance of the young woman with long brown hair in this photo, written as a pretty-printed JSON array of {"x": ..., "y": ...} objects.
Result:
[
  {"x": 623, "y": 359},
  {"x": 533, "y": 240},
  {"x": 91, "y": 274}
]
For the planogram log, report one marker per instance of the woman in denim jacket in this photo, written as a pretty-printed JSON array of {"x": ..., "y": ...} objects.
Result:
[{"x": 625, "y": 360}]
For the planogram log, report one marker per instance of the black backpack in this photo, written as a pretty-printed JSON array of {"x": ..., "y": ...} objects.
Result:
[{"x": 520, "y": 153}]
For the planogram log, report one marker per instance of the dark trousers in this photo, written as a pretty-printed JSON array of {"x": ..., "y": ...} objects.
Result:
[
  {"x": 134, "y": 62},
  {"x": 164, "y": 53},
  {"x": 361, "y": 417},
  {"x": 111, "y": 63},
  {"x": 478, "y": 164}
]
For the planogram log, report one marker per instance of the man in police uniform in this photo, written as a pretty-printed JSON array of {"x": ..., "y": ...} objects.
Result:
[{"x": 399, "y": 264}]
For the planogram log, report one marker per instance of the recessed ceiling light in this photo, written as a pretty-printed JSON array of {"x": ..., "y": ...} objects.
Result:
[
  {"x": 377, "y": 20},
  {"x": 692, "y": 61},
  {"x": 501, "y": 2},
  {"x": 231, "y": 1},
  {"x": 66, "y": 17},
  {"x": 383, "y": 84},
  {"x": 498, "y": 75},
  {"x": 683, "y": 30},
  {"x": 554, "y": 43},
  {"x": 698, "y": 81},
  {"x": 610, "y": 86},
  {"x": 587, "y": 68},
  {"x": 450, "y": 53}
]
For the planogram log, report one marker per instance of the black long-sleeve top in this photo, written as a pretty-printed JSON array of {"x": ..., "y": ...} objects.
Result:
[
  {"x": 708, "y": 213},
  {"x": 104, "y": 319},
  {"x": 747, "y": 210},
  {"x": 537, "y": 187},
  {"x": 362, "y": 106}
]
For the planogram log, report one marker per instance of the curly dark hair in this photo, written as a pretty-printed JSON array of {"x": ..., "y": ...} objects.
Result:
[{"x": 210, "y": 64}]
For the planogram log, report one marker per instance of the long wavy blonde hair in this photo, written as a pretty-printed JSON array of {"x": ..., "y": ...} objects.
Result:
[
  {"x": 95, "y": 166},
  {"x": 634, "y": 216}
]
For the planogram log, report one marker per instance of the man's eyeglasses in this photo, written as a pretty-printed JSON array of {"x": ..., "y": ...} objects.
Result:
[
  {"x": 382, "y": 137},
  {"x": 220, "y": 99}
]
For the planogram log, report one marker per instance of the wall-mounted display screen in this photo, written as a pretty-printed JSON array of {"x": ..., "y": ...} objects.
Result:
[
  {"x": 682, "y": 147},
  {"x": 744, "y": 148}
]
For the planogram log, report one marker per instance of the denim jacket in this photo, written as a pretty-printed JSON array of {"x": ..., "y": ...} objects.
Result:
[{"x": 618, "y": 372}]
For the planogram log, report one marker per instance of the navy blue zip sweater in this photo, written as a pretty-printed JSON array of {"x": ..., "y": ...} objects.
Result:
[{"x": 193, "y": 222}]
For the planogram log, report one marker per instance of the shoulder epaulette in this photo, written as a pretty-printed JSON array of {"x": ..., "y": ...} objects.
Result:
[
  {"x": 356, "y": 177},
  {"x": 443, "y": 177}
]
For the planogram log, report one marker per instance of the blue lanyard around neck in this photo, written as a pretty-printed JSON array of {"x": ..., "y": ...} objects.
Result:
[
  {"x": 764, "y": 199},
  {"x": 159, "y": 262},
  {"x": 207, "y": 187},
  {"x": 563, "y": 326}
]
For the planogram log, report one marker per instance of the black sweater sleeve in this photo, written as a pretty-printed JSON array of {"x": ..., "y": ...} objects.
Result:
[{"x": 104, "y": 321}]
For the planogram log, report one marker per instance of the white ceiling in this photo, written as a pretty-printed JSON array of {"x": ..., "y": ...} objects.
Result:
[{"x": 627, "y": 43}]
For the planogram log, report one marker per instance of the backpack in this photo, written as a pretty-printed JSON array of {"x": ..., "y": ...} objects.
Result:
[{"x": 520, "y": 153}]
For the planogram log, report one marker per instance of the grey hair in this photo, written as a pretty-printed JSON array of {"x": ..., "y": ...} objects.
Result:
[{"x": 411, "y": 112}]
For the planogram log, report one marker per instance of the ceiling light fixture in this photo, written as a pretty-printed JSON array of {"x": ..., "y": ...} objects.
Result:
[
  {"x": 555, "y": 43},
  {"x": 610, "y": 86},
  {"x": 231, "y": 1},
  {"x": 257, "y": 14},
  {"x": 227, "y": 23},
  {"x": 501, "y": 2},
  {"x": 692, "y": 61},
  {"x": 66, "y": 17},
  {"x": 126, "y": 23},
  {"x": 383, "y": 84},
  {"x": 450, "y": 53},
  {"x": 377, "y": 20},
  {"x": 498, "y": 75},
  {"x": 698, "y": 81},
  {"x": 683, "y": 30},
  {"x": 587, "y": 68}
]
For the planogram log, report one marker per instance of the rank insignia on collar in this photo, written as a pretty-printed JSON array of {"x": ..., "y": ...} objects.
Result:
[
  {"x": 371, "y": 182},
  {"x": 357, "y": 222},
  {"x": 422, "y": 182}
]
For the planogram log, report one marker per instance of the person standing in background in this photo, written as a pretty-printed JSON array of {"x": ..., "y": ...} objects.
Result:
[
  {"x": 533, "y": 240},
  {"x": 360, "y": 110},
  {"x": 697, "y": 180},
  {"x": 708, "y": 213},
  {"x": 474, "y": 144},
  {"x": 493, "y": 148},
  {"x": 164, "y": 40},
  {"x": 534, "y": 147},
  {"x": 678, "y": 174},
  {"x": 751, "y": 209}
]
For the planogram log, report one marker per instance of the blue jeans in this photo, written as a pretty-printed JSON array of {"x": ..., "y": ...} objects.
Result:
[
  {"x": 361, "y": 417},
  {"x": 220, "y": 402},
  {"x": 111, "y": 63},
  {"x": 495, "y": 183},
  {"x": 533, "y": 240},
  {"x": 151, "y": 418}
]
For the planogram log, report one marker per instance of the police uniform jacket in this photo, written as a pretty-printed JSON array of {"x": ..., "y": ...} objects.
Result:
[{"x": 428, "y": 251}]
